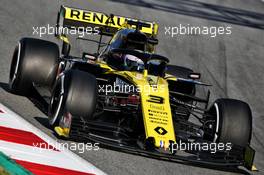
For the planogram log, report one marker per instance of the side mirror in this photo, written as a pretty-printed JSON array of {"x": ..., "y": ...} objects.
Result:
[
  {"x": 91, "y": 58},
  {"x": 66, "y": 47},
  {"x": 194, "y": 76}
]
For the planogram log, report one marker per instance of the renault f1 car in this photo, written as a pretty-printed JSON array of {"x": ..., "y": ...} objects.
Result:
[{"x": 127, "y": 97}]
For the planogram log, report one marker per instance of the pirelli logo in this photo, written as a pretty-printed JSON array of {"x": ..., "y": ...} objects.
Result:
[{"x": 101, "y": 19}]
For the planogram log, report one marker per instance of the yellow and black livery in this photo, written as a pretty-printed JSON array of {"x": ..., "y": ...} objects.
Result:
[{"x": 127, "y": 97}]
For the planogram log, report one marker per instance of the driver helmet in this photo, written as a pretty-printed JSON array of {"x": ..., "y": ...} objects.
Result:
[{"x": 133, "y": 63}]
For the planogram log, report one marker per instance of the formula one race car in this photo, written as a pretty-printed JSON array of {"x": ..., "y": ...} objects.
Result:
[{"x": 127, "y": 97}]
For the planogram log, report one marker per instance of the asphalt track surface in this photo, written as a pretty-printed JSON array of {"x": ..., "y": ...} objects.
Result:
[{"x": 234, "y": 63}]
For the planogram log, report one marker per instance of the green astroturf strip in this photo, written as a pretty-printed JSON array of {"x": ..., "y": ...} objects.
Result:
[{"x": 10, "y": 167}]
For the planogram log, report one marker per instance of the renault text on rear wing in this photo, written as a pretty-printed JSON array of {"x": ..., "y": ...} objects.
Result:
[{"x": 110, "y": 24}]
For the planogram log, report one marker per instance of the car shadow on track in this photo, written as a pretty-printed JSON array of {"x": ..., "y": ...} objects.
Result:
[
  {"x": 37, "y": 100},
  {"x": 34, "y": 97},
  {"x": 4, "y": 86},
  {"x": 205, "y": 11},
  {"x": 43, "y": 121},
  {"x": 42, "y": 104},
  {"x": 212, "y": 167}
]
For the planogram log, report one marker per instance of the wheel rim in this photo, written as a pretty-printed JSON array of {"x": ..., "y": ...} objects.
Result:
[
  {"x": 217, "y": 122},
  {"x": 56, "y": 102},
  {"x": 14, "y": 66}
]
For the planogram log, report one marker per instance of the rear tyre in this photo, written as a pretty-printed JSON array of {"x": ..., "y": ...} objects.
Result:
[
  {"x": 75, "y": 95},
  {"x": 34, "y": 60},
  {"x": 233, "y": 121}
]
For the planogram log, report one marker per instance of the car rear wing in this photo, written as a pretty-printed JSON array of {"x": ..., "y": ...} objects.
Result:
[{"x": 73, "y": 18}]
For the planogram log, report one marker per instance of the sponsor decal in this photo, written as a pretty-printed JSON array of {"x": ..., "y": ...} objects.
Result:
[
  {"x": 101, "y": 19},
  {"x": 161, "y": 130},
  {"x": 155, "y": 99}
]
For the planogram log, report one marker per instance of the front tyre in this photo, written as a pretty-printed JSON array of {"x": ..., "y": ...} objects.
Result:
[
  {"x": 233, "y": 121},
  {"x": 74, "y": 95}
]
